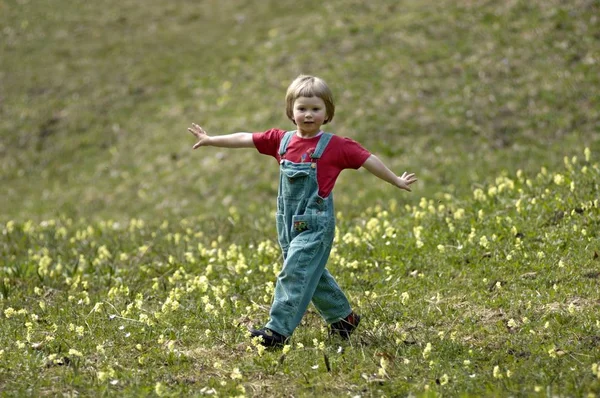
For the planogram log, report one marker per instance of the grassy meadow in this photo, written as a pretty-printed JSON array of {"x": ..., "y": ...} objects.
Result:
[{"x": 131, "y": 265}]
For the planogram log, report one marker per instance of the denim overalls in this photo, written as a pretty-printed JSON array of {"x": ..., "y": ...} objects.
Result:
[{"x": 305, "y": 228}]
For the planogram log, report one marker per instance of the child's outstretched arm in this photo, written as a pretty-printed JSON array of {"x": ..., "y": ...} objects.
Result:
[
  {"x": 375, "y": 166},
  {"x": 235, "y": 140}
]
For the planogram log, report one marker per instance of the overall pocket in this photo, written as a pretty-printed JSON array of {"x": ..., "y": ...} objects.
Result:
[
  {"x": 308, "y": 224},
  {"x": 282, "y": 231},
  {"x": 292, "y": 174},
  {"x": 293, "y": 184}
]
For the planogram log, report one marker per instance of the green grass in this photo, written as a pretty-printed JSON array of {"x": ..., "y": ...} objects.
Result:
[{"x": 131, "y": 265}]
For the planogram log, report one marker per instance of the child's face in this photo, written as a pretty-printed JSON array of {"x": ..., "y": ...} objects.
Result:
[{"x": 309, "y": 114}]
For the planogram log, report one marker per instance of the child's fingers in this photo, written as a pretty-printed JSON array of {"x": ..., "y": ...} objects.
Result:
[
  {"x": 199, "y": 133},
  {"x": 409, "y": 178},
  {"x": 198, "y": 129}
]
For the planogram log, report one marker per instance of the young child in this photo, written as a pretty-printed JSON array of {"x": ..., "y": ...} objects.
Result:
[{"x": 310, "y": 161}]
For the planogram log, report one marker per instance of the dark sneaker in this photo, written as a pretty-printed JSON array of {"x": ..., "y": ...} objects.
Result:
[
  {"x": 269, "y": 338},
  {"x": 346, "y": 326}
]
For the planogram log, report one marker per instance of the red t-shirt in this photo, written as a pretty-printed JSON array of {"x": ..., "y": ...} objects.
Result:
[{"x": 341, "y": 153}]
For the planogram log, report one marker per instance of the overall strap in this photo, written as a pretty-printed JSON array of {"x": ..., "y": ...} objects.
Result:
[
  {"x": 284, "y": 142},
  {"x": 323, "y": 141}
]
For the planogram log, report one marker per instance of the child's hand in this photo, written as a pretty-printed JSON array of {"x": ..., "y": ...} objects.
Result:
[
  {"x": 200, "y": 134},
  {"x": 405, "y": 180},
  {"x": 376, "y": 166}
]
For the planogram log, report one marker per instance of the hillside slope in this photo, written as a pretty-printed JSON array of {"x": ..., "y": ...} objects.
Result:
[{"x": 95, "y": 98}]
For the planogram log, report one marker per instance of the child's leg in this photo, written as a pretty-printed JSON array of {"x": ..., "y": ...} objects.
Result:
[
  {"x": 330, "y": 300},
  {"x": 296, "y": 283}
]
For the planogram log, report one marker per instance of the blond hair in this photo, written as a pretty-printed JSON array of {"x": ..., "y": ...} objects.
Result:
[{"x": 309, "y": 86}]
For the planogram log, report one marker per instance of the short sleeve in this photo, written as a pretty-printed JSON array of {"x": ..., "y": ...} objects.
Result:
[
  {"x": 268, "y": 142},
  {"x": 353, "y": 154}
]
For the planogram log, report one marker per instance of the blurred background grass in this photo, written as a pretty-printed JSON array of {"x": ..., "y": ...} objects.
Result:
[{"x": 96, "y": 97}]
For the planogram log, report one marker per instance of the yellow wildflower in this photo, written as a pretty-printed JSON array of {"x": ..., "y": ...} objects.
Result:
[
  {"x": 405, "y": 296},
  {"x": 427, "y": 351},
  {"x": 459, "y": 214},
  {"x": 478, "y": 194},
  {"x": 483, "y": 242},
  {"x": 444, "y": 379},
  {"x": 497, "y": 373},
  {"x": 9, "y": 312},
  {"x": 559, "y": 179},
  {"x": 75, "y": 353},
  {"x": 587, "y": 153},
  {"x": 236, "y": 374},
  {"x": 160, "y": 389}
]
